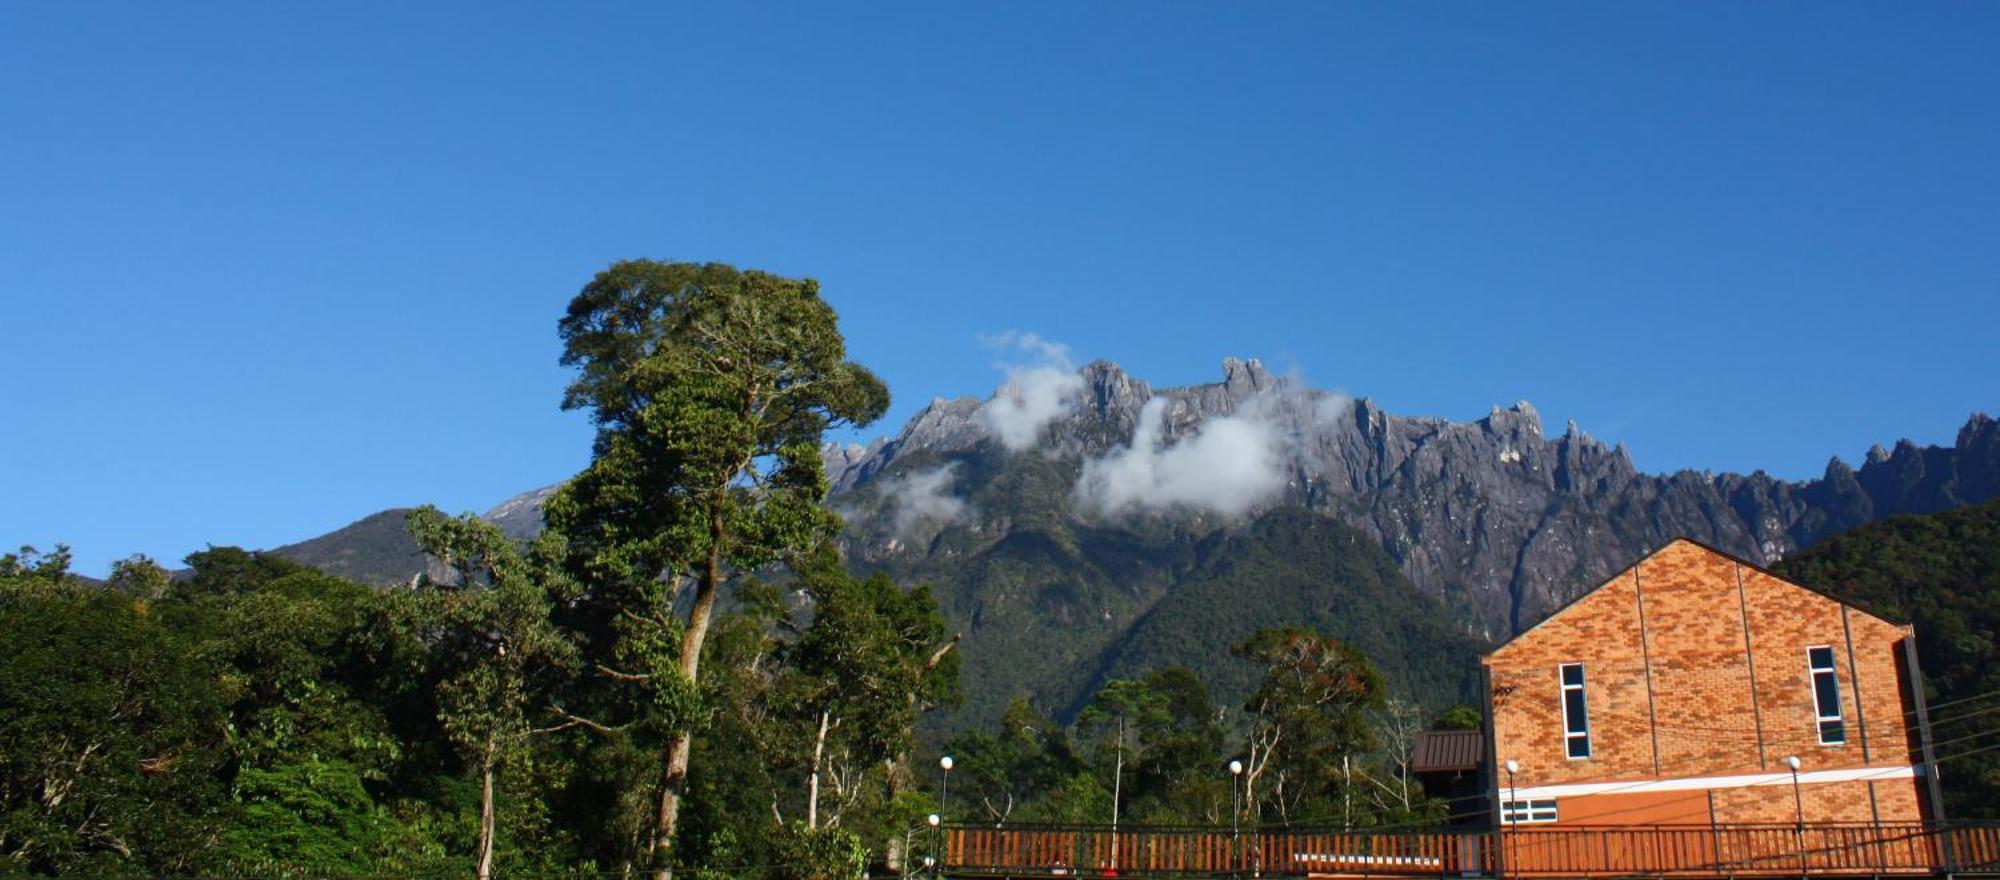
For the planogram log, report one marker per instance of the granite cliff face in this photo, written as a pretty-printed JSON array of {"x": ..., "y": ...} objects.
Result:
[{"x": 1492, "y": 516}]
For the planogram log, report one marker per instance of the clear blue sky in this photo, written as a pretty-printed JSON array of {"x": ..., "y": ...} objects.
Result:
[{"x": 266, "y": 269}]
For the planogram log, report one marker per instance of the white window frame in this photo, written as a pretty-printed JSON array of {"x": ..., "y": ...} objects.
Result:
[
  {"x": 1528, "y": 812},
  {"x": 1562, "y": 696},
  {"x": 1820, "y": 718}
]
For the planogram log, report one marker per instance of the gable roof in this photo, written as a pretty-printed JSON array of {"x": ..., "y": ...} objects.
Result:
[{"x": 1711, "y": 550}]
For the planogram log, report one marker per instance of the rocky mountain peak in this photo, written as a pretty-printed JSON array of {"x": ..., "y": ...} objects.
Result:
[
  {"x": 1979, "y": 430},
  {"x": 1244, "y": 378},
  {"x": 1108, "y": 389}
]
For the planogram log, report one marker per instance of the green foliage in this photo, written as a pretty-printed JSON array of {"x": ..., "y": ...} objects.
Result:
[
  {"x": 498, "y": 658},
  {"x": 819, "y": 854},
  {"x": 870, "y": 661},
  {"x": 309, "y": 819},
  {"x": 1940, "y": 572},
  {"x": 140, "y": 577},
  {"x": 30, "y": 566},
  {"x": 225, "y": 571},
  {"x": 710, "y": 388},
  {"x": 1318, "y": 743},
  {"x": 1459, "y": 718},
  {"x": 112, "y": 733},
  {"x": 1307, "y": 719}
]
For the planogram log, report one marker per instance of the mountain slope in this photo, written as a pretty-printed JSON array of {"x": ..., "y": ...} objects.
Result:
[
  {"x": 1296, "y": 568},
  {"x": 376, "y": 549}
]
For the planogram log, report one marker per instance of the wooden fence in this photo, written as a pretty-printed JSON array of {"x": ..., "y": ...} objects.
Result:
[{"x": 1693, "y": 851}]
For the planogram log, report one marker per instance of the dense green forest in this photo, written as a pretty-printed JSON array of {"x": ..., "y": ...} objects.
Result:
[
  {"x": 260, "y": 718},
  {"x": 1940, "y": 572}
]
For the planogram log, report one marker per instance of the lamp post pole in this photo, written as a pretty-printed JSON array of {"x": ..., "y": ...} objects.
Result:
[
  {"x": 1798, "y": 810},
  {"x": 931, "y": 861},
  {"x": 1235, "y": 819},
  {"x": 944, "y": 801},
  {"x": 1511, "y": 804}
]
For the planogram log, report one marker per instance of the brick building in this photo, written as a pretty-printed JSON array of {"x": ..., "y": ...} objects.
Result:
[{"x": 1677, "y": 692}]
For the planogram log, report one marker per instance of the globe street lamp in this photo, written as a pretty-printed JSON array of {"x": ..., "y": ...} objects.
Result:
[{"x": 945, "y": 796}]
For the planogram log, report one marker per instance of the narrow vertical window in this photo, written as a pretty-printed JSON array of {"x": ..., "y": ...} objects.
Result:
[
  {"x": 1826, "y": 695},
  {"x": 1576, "y": 721}
]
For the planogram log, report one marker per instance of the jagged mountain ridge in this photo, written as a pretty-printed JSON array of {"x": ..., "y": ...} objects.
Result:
[{"x": 1490, "y": 515}]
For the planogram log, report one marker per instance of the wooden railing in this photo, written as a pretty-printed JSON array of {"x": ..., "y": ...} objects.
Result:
[{"x": 1690, "y": 851}]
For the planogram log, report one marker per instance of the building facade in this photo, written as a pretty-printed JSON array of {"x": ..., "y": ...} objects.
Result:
[{"x": 1681, "y": 690}]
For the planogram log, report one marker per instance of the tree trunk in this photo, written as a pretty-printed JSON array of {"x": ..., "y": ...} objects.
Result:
[
  {"x": 486, "y": 813},
  {"x": 812, "y": 782},
  {"x": 1117, "y": 788},
  {"x": 1346, "y": 796},
  {"x": 673, "y": 772}
]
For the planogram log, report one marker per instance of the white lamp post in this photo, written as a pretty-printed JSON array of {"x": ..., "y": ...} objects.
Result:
[
  {"x": 933, "y": 820},
  {"x": 944, "y": 794},
  {"x": 944, "y": 798},
  {"x": 1235, "y": 812},
  {"x": 1798, "y": 801}
]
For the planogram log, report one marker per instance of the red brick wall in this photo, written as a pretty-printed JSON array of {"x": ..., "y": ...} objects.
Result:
[
  {"x": 1727, "y": 690},
  {"x": 1601, "y": 631},
  {"x": 1701, "y": 681}
]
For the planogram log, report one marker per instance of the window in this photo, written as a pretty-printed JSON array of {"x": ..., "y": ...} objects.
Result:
[
  {"x": 1576, "y": 721},
  {"x": 1826, "y": 695},
  {"x": 1512, "y": 812}
]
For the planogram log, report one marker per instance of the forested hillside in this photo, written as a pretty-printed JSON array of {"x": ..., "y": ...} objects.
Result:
[{"x": 1940, "y": 572}]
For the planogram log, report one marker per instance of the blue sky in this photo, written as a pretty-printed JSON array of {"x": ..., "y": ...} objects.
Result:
[{"x": 266, "y": 269}]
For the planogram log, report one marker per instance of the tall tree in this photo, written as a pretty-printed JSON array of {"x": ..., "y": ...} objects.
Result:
[
  {"x": 1124, "y": 718},
  {"x": 1307, "y": 712},
  {"x": 872, "y": 659},
  {"x": 710, "y": 388},
  {"x": 494, "y": 640}
]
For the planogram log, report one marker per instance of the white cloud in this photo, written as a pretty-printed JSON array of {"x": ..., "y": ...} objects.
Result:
[
  {"x": 924, "y": 497},
  {"x": 1036, "y": 392},
  {"x": 1230, "y": 465}
]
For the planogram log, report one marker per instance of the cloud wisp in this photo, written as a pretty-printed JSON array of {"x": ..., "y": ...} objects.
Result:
[
  {"x": 1039, "y": 390},
  {"x": 924, "y": 497},
  {"x": 1228, "y": 466}
]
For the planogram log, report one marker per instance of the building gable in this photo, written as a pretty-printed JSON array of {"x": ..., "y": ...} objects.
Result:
[
  {"x": 1694, "y": 664},
  {"x": 1682, "y": 552}
]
